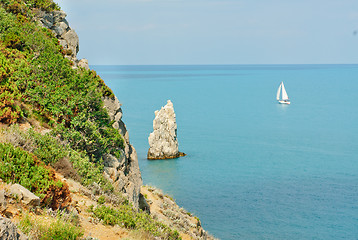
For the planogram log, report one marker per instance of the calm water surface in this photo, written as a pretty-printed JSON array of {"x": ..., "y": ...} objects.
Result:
[{"x": 255, "y": 169}]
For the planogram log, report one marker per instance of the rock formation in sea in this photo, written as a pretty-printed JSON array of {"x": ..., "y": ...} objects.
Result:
[{"x": 163, "y": 143}]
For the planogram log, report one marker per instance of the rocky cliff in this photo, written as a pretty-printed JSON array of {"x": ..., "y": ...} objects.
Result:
[
  {"x": 67, "y": 37},
  {"x": 123, "y": 172}
]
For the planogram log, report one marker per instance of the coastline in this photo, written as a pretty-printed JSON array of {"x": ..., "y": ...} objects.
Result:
[{"x": 91, "y": 144}]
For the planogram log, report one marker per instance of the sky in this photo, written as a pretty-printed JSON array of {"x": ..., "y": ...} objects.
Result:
[{"x": 158, "y": 32}]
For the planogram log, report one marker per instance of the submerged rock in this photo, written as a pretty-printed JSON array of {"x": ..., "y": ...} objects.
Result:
[{"x": 163, "y": 143}]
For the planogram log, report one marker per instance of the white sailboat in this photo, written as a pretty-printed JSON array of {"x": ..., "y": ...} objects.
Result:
[{"x": 284, "y": 98}]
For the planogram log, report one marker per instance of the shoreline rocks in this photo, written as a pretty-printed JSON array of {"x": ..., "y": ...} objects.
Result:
[{"x": 163, "y": 143}]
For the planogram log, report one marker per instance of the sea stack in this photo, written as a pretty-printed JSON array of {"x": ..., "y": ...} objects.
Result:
[{"x": 163, "y": 143}]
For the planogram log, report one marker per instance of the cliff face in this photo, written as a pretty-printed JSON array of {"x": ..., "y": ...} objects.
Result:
[
  {"x": 67, "y": 37},
  {"x": 123, "y": 172}
]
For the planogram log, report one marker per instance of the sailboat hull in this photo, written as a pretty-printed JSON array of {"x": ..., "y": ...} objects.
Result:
[{"x": 284, "y": 102}]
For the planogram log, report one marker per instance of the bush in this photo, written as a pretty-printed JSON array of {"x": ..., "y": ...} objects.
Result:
[
  {"x": 51, "y": 230},
  {"x": 38, "y": 75},
  {"x": 51, "y": 151},
  {"x": 19, "y": 166},
  {"x": 125, "y": 216}
]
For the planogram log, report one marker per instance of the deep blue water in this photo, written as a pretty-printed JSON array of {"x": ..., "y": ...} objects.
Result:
[{"x": 255, "y": 169}]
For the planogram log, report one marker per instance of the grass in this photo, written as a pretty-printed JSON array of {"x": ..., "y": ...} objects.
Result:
[
  {"x": 125, "y": 216},
  {"x": 49, "y": 229}
]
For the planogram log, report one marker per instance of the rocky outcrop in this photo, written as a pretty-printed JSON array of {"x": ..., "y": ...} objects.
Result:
[
  {"x": 163, "y": 143},
  {"x": 165, "y": 209},
  {"x": 8, "y": 230},
  {"x": 67, "y": 37},
  {"x": 124, "y": 171},
  {"x": 27, "y": 197}
]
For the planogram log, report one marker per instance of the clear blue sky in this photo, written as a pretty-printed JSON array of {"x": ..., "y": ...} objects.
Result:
[{"x": 139, "y": 32}]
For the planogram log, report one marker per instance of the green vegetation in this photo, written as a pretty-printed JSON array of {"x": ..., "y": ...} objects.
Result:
[
  {"x": 50, "y": 150},
  {"x": 126, "y": 217},
  {"x": 101, "y": 200},
  {"x": 56, "y": 229},
  {"x": 38, "y": 82},
  {"x": 19, "y": 166},
  {"x": 39, "y": 86},
  {"x": 24, "y": 7}
]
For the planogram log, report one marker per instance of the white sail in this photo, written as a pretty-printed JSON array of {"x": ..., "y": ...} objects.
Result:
[
  {"x": 284, "y": 93},
  {"x": 278, "y": 92}
]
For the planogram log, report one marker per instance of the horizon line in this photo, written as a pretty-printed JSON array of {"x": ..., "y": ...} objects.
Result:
[{"x": 223, "y": 64}]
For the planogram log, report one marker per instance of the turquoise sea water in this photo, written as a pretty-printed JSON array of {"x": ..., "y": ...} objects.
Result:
[{"x": 255, "y": 169}]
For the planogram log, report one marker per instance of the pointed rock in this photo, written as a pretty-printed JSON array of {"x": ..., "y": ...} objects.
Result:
[{"x": 163, "y": 143}]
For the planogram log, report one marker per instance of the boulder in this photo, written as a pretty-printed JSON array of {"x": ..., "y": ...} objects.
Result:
[
  {"x": 163, "y": 143},
  {"x": 24, "y": 195},
  {"x": 8, "y": 230}
]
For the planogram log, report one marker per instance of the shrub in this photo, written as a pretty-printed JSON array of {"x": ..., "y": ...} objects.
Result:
[
  {"x": 67, "y": 99},
  {"x": 125, "y": 216},
  {"x": 101, "y": 200},
  {"x": 51, "y": 230},
  {"x": 51, "y": 151},
  {"x": 19, "y": 166}
]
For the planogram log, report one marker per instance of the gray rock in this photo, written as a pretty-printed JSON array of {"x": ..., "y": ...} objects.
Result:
[
  {"x": 113, "y": 107},
  {"x": 163, "y": 141},
  {"x": 58, "y": 15},
  {"x": 60, "y": 28},
  {"x": 143, "y": 204},
  {"x": 8, "y": 230},
  {"x": 124, "y": 172},
  {"x": 3, "y": 202},
  {"x": 83, "y": 63},
  {"x": 24, "y": 195},
  {"x": 57, "y": 23},
  {"x": 47, "y": 20},
  {"x": 72, "y": 40}
]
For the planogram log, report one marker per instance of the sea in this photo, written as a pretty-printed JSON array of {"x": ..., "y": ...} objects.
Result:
[{"x": 254, "y": 169}]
